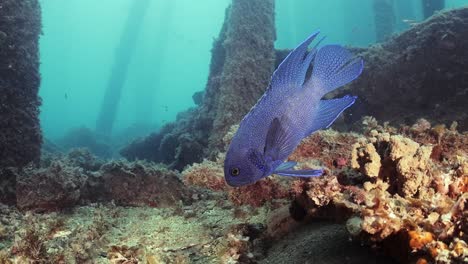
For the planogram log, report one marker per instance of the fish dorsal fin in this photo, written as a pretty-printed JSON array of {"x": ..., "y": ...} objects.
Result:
[
  {"x": 292, "y": 70},
  {"x": 328, "y": 111},
  {"x": 334, "y": 66},
  {"x": 280, "y": 140}
]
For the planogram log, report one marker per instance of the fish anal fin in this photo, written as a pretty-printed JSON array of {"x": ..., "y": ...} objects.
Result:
[{"x": 300, "y": 173}]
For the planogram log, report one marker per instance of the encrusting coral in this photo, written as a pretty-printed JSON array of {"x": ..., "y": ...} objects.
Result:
[
  {"x": 210, "y": 175},
  {"x": 402, "y": 191},
  {"x": 399, "y": 193}
]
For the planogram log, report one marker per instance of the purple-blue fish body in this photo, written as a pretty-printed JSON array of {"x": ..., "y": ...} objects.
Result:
[{"x": 290, "y": 110}]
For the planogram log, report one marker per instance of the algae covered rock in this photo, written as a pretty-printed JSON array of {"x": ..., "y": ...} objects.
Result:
[
  {"x": 142, "y": 184},
  {"x": 46, "y": 189}
]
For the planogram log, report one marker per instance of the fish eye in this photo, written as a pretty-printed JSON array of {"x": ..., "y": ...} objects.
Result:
[{"x": 235, "y": 171}]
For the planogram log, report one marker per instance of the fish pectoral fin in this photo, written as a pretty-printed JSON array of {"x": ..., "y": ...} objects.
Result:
[
  {"x": 281, "y": 140},
  {"x": 300, "y": 173},
  {"x": 285, "y": 166},
  {"x": 328, "y": 111}
]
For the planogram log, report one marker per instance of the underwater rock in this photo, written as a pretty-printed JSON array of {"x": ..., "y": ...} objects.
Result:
[
  {"x": 210, "y": 175},
  {"x": 260, "y": 193},
  {"x": 242, "y": 61},
  {"x": 141, "y": 184},
  {"x": 398, "y": 197},
  {"x": 47, "y": 189},
  {"x": 83, "y": 137},
  {"x": 401, "y": 83},
  {"x": 197, "y": 97},
  {"x": 83, "y": 158},
  {"x": 243, "y": 244},
  {"x": 8, "y": 185},
  {"x": 21, "y": 137},
  {"x": 405, "y": 162}
]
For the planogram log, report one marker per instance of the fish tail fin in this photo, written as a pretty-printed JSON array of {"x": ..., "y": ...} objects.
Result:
[{"x": 334, "y": 66}]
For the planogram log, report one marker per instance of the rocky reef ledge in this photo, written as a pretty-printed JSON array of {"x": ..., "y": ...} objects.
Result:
[{"x": 400, "y": 194}]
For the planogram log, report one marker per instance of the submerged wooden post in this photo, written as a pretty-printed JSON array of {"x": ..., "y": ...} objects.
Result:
[
  {"x": 123, "y": 55},
  {"x": 384, "y": 19},
  {"x": 243, "y": 59},
  {"x": 249, "y": 62},
  {"x": 430, "y": 6},
  {"x": 20, "y": 132}
]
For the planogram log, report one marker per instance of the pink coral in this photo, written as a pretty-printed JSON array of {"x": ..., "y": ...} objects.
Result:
[
  {"x": 207, "y": 174},
  {"x": 259, "y": 193}
]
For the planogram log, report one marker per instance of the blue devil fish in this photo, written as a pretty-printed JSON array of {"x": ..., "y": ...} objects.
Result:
[{"x": 290, "y": 110}]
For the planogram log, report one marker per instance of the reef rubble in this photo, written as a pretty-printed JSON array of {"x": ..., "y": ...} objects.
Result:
[{"x": 400, "y": 192}]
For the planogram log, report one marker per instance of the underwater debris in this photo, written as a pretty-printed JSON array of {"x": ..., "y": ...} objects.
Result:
[
  {"x": 125, "y": 255},
  {"x": 243, "y": 244},
  {"x": 399, "y": 199}
]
